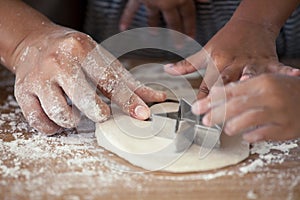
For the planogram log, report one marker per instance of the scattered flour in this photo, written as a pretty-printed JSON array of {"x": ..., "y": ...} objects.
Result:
[
  {"x": 268, "y": 153},
  {"x": 251, "y": 195},
  {"x": 252, "y": 166},
  {"x": 37, "y": 161}
]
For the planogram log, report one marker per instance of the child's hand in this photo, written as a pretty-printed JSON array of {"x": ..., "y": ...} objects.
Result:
[
  {"x": 52, "y": 64},
  {"x": 240, "y": 50},
  {"x": 180, "y": 15},
  {"x": 263, "y": 108}
]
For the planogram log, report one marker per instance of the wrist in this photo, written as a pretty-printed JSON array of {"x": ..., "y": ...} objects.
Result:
[{"x": 270, "y": 14}]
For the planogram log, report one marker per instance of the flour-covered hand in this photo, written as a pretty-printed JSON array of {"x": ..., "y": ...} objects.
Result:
[{"x": 55, "y": 63}]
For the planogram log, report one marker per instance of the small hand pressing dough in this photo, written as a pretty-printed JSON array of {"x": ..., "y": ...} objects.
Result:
[{"x": 144, "y": 146}]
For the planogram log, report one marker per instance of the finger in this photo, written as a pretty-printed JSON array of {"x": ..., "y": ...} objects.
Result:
[
  {"x": 250, "y": 71},
  {"x": 266, "y": 132},
  {"x": 188, "y": 65},
  {"x": 108, "y": 74},
  {"x": 216, "y": 97},
  {"x": 201, "y": 106},
  {"x": 286, "y": 70},
  {"x": 229, "y": 74},
  {"x": 56, "y": 107},
  {"x": 188, "y": 14},
  {"x": 153, "y": 17},
  {"x": 115, "y": 87},
  {"x": 174, "y": 22},
  {"x": 233, "y": 94},
  {"x": 211, "y": 76},
  {"x": 145, "y": 93},
  {"x": 83, "y": 96},
  {"x": 247, "y": 120},
  {"x": 128, "y": 14},
  {"x": 203, "y": 90},
  {"x": 129, "y": 102},
  {"x": 244, "y": 88},
  {"x": 150, "y": 95},
  {"x": 293, "y": 72},
  {"x": 35, "y": 115},
  {"x": 210, "y": 105},
  {"x": 173, "y": 19},
  {"x": 222, "y": 110},
  {"x": 126, "y": 91}
]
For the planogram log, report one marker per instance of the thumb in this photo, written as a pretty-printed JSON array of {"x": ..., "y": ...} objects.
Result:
[{"x": 188, "y": 65}]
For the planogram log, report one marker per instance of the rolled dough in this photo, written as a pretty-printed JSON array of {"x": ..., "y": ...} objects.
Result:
[{"x": 145, "y": 146}]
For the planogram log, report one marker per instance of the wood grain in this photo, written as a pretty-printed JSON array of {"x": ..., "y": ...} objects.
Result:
[{"x": 79, "y": 169}]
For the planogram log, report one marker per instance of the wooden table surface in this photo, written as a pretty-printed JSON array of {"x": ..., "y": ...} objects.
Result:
[{"x": 73, "y": 166}]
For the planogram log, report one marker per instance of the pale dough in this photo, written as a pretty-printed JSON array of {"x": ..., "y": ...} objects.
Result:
[{"x": 149, "y": 147}]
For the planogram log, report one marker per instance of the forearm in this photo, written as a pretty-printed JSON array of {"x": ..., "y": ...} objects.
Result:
[
  {"x": 270, "y": 13},
  {"x": 17, "y": 22}
]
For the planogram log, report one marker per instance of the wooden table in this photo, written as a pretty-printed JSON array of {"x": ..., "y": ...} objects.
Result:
[{"x": 73, "y": 166}]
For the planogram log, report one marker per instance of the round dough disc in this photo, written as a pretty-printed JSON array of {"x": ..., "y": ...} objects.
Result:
[{"x": 138, "y": 143}]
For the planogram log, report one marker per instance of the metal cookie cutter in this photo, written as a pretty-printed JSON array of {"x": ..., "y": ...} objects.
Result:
[{"x": 186, "y": 128}]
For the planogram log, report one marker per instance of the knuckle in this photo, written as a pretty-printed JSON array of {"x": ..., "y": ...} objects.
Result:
[
  {"x": 204, "y": 89},
  {"x": 74, "y": 45},
  {"x": 184, "y": 63},
  {"x": 220, "y": 59}
]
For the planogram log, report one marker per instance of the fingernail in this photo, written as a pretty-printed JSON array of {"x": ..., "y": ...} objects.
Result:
[
  {"x": 295, "y": 70},
  {"x": 142, "y": 112}
]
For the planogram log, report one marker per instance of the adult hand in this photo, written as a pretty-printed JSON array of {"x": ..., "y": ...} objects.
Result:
[
  {"x": 262, "y": 108},
  {"x": 240, "y": 50},
  {"x": 180, "y": 15},
  {"x": 54, "y": 63}
]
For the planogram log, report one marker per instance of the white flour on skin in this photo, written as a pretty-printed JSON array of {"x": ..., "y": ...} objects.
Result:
[
  {"x": 24, "y": 54},
  {"x": 54, "y": 165}
]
